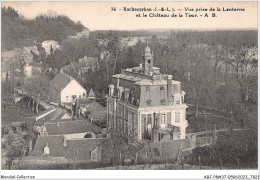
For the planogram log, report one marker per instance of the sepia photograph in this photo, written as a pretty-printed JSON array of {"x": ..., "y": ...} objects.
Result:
[{"x": 129, "y": 86}]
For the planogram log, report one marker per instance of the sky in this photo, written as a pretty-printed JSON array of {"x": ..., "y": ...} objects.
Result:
[{"x": 98, "y": 15}]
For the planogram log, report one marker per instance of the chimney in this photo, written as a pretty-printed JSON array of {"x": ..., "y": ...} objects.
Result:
[
  {"x": 58, "y": 124},
  {"x": 117, "y": 87},
  {"x": 169, "y": 89},
  {"x": 117, "y": 83}
]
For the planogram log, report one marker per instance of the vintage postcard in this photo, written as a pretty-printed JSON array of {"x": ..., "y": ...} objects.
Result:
[{"x": 121, "y": 85}]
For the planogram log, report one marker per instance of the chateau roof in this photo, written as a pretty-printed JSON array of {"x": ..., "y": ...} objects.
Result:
[{"x": 142, "y": 80}]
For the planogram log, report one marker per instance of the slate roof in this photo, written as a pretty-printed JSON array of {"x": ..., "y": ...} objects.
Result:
[
  {"x": 45, "y": 111},
  {"x": 91, "y": 105},
  {"x": 82, "y": 102},
  {"x": 76, "y": 149},
  {"x": 61, "y": 80},
  {"x": 99, "y": 115},
  {"x": 51, "y": 117},
  {"x": 95, "y": 106},
  {"x": 55, "y": 144},
  {"x": 69, "y": 127},
  {"x": 80, "y": 149}
]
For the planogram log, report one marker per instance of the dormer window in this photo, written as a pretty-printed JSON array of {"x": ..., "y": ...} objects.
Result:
[{"x": 149, "y": 102}]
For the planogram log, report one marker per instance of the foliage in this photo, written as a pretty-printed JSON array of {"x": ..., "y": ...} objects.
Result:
[
  {"x": 228, "y": 150},
  {"x": 18, "y": 31},
  {"x": 16, "y": 141}
]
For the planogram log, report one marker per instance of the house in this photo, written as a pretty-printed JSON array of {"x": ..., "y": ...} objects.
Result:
[
  {"x": 53, "y": 148},
  {"x": 145, "y": 104},
  {"x": 64, "y": 89},
  {"x": 90, "y": 108},
  {"x": 71, "y": 129},
  {"x": 50, "y": 115}
]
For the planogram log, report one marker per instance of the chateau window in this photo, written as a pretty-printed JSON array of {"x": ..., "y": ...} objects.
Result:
[
  {"x": 149, "y": 119},
  {"x": 177, "y": 100},
  {"x": 147, "y": 88},
  {"x": 163, "y": 102},
  {"x": 161, "y": 87},
  {"x": 177, "y": 116},
  {"x": 149, "y": 102},
  {"x": 163, "y": 119}
]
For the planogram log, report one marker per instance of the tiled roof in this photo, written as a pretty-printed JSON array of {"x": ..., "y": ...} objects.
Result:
[
  {"x": 51, "y": 117},
  {"x": 69, "y": 127},
  {"x": 61, "y": 80},
  {"x": 76, "y": 149},
  {"x": 55, "y": 144},
  {"x": 80, "y": 149},
  {"x": 45, "y": 111}
]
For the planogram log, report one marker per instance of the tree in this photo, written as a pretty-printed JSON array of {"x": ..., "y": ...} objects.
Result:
[
  {"x": 38, "y": 88},
  {"x": 244, "y": 64}
]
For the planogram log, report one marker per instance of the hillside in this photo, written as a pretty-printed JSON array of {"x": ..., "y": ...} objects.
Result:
[{"x": 18, "y": 31}]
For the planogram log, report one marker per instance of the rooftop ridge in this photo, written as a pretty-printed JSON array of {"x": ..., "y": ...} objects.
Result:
[{"x": 66, "y": 121}]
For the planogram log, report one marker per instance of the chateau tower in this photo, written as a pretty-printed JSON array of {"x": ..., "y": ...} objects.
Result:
[{"x": 147, "y": 66}]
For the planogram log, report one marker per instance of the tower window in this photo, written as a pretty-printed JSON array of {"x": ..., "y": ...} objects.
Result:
[
  {"x": 161, "y": 87},
  {"x": 149, "y": 61}
]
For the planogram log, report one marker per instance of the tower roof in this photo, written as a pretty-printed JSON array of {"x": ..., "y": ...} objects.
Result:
[
  {"x": 91, "y": 94},
  {"x": 147, "y": 49}
]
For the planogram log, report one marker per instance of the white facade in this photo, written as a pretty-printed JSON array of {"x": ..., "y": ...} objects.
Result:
[{"x": 71, "y": 90}]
